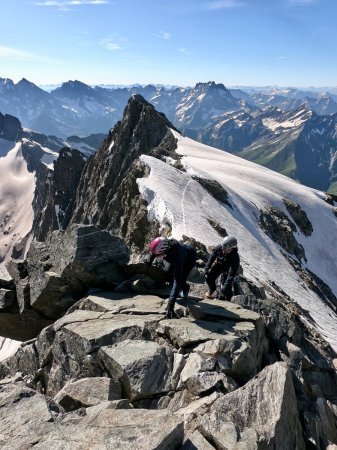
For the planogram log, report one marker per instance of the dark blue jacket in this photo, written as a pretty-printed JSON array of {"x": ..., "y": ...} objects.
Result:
[
  {"x": 229, "y": 265},
  {"x": 181, "y": 258}
]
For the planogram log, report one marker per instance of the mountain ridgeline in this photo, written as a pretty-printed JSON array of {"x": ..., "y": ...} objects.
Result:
[
  {"x": 289, "y": 131},
  {"x": 102, "y": 367}
]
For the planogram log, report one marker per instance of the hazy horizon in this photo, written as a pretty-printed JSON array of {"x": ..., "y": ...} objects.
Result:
[{"x": 49, "y": 86}]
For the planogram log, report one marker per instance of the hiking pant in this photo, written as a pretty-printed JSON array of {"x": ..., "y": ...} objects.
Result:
[
  {"x": 181, "y": 284},
  {"x": 215, "y": 271}
]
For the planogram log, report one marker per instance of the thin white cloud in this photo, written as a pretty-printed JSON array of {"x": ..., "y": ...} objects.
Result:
[
  {"x": 184, "y": 51},
  {"x": 64, "y": 5},
  {"x": 162, "y": 35},
  {"x": 223, "y": 4},
  {"x": 112, "y": 43},
  {"x": 280, "y": 57},
  {"x": 15, "y": 54}
]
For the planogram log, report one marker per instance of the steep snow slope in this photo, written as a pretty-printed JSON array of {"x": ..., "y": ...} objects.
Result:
[
  {"x": 174, "y": 197},
  {"x": 17, "y": 187}
]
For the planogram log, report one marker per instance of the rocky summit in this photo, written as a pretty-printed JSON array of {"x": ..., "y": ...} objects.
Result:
[
  {"x": 100, "y": 366},
  {"x": 113, "y": 370}
]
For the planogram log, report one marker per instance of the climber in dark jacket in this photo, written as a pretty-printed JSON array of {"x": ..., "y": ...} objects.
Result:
[
  {"x": 181, "y": 258},
  {"x": 224, "y": 261}
]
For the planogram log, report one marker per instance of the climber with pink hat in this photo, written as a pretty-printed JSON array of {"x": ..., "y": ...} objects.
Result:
[{"x": 182, "y": 259}]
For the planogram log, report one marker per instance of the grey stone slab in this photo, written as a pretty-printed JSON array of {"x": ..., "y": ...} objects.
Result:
[
  {"x": 118, "y": 429},
  {"x": 26, "y": 421},
  {"x": 88, "y": 392},
  {"x": 185, "y": 331},
  {"x": 106, "y": 330},
  {"x": 219, "y": 309},
  {"x": 143, "y": 367},
  {"x": 120, "y": 304}
]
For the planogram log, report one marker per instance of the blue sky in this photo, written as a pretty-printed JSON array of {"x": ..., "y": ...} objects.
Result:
[{"x": 235, "y": 42}]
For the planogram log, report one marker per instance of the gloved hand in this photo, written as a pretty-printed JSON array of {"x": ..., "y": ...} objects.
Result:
[{"x": 147, "y": 261}]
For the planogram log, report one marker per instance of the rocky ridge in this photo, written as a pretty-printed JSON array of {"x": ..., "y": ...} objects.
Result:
[
  {"x": 208, "y": 379},
  {"x": 101, "y": 366}
]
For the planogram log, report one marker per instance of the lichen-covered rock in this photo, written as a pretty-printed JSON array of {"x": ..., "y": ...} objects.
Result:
[
  {"x": 144, "y": 429},
  {"x": 119, "y": 303},
  {"x": 219, "y": 309},
  {"x": 186, "y": 331},
  {"x": 191, "y": 368},
  {"x": 222, "y": 340}
]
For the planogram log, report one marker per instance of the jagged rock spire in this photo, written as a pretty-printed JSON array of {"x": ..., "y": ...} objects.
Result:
[{"x": 101, "y": 197}]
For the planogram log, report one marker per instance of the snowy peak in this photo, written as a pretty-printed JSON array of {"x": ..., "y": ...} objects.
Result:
[
  {"x": 205, "y": 100},
  {"x": 5, "y": 85},
  {"x": 210, "y": 87},
  {"x": 138, "y": 110},
  {"x": 16, "y": 196}
]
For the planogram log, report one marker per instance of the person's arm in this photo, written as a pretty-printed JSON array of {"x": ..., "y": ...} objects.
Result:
[{"x": 211, "y": 259}]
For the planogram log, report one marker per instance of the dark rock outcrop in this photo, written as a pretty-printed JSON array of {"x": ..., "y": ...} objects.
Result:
[
  {"x": 214, "y": 188},
  {"x": 281, "y": 230},
  {"x": 57, "y": 273},
  {"x": 108, "y": 195},
  {"x": 55, "y": 193},
  {"x": 10, "y": 127},
  {"x": 299, "y": 216}
]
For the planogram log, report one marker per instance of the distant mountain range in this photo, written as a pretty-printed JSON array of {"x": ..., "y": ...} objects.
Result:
[{"x": 288, "y": 130}]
